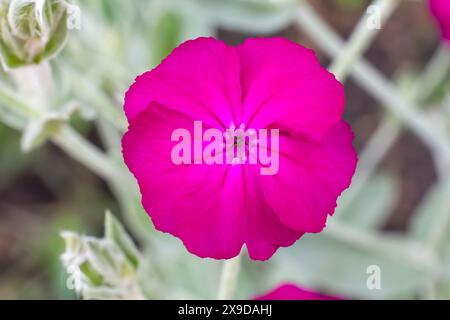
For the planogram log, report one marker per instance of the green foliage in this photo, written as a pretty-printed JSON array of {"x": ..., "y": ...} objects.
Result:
[
  {"x": 166, "y": 35},
  {"x": 321, "y": 261},
  {"x": 116, "y": 233},
  {"x": 431, "y": 225},
  {"x": 103, "y": 268},
  {"x": 372, "y": 206},
  {"x": 37, "y": 131}
]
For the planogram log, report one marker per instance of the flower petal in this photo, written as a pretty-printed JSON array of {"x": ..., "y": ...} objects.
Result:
[
  {"x": 213, "y": 209},
  {"x": 216, "y": 209},
  {"x": 441, "y": 10},
  {"x": 200, "y": 78},
  {"x": 200, "y": 204},
  {"x": 311, "y": 178},
  {"x": 290, "y": 291},
  {"x": 285, "y": 87},
  {"x": 264, "y": 232}
]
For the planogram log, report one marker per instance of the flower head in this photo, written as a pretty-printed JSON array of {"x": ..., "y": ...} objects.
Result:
[
  {"x": 287, "y": 178},
  {"x": 31, "y": 30},
  {"x": 292, "y": 292},
  {"x": 441, "y": 11}
]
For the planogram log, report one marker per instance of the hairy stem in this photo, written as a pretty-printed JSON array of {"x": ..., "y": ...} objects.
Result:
[
  {"x": 229, "y": 278},
  {"x": 362, "y": 37},
  {"x": 375, "y": 83},
  {"x": 87, "y": 154}
]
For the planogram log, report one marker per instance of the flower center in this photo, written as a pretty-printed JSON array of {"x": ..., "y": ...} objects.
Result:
[{"x": 240, "y": 143}]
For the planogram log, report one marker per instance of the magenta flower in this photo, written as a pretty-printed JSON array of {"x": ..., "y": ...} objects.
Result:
[
  {"x": 292, "y": 292},
  {"x": 441, "y": 11},
  {"x": 217, "y": 205}
]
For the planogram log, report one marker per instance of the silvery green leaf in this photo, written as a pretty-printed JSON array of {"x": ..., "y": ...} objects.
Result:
[
  {"x": 73, "y": 107},
  {"x": 10, "y": 119},
  {"x": 115, "y": 232},
  {"x": 59, "y": 32},
  {"x": 433, "y": 209},
  {"x": 98, "y": 101},
  {"x": 37, "y": 131},
  {"x": 319, "y": 261},
  {"x": 108, "y": 260},
  {"x": 99, "y": 268},
  {"x": 371, "y": 207},
  {"x": 73, "y": 247},
  {"x": 166, "y": 35},
  {"x": 185, "y": 19},
  {"x": 430, "y": 224}
]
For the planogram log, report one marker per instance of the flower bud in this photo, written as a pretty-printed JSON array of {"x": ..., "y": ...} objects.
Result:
[
  {"x": 31, "y": 31},
  {"x": 103, "y": 268}
]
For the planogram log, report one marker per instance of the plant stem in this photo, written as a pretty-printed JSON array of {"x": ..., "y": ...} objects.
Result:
[
  {"x": 35, "y": 83},
  {"x": 94, "y": 95},
  {"x": 87, "y": 154},
  {"x": 375, "y": 83},
  {"x": 112, "y": 172},
  {"x": 125, "y": 190},
  {"x": 390, "y": 129},
  {"x": 361, "y": 38},
  {"x": 229, "y": 278},
  {"x": 17, "y": 106}
]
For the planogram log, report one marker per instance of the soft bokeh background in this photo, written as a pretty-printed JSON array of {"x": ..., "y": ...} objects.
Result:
[{"x": 386, "y": 221}]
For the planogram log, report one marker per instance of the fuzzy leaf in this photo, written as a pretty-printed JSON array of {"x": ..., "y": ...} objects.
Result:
[
  {"x": 37, "y": 131},
  {"x": 319, "y": 261},
  {"x": 373, "y": 204},
  {"x": 116, "y": 233}
]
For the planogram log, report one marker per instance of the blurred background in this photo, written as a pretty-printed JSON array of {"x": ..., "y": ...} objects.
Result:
[{"x": 395, "y": 215}]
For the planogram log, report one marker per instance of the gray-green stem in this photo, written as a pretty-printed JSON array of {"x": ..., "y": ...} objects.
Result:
[{"x": 229, "y": 278}]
